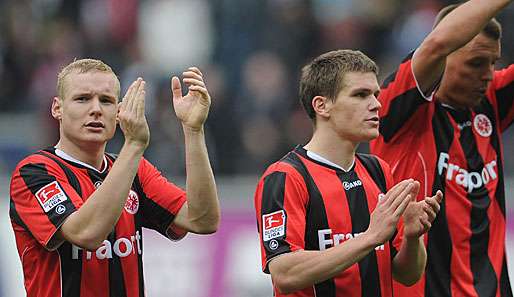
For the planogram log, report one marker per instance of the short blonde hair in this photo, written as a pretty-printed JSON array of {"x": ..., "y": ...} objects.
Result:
[{"x": 83, "y": 66}]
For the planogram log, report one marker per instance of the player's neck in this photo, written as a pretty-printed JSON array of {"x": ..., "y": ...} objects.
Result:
[
  {"x": 92, "y": 155},
  {"x": 447, "y": 97},
  {"x": 333, "y": 148}
]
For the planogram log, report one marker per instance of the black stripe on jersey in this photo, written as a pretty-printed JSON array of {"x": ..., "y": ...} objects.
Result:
[
  {"x": 486, "y": 108},
  {"x": 13, "y": 214},
  {"x": 155, "y": 216},
  {"x": 116, "y": 279},
  {"x": 138, "y": 218},
  {"x": 272, "y": 201},
  {"x": 373, "y": 167},
  {"x": 71, "y": 270},
  {"x": 485, "y": 280},
  {"x": 359, "y": 215},
  {"x": 505, "y": 100},
  {"x": 72, "y": 178},
  {"x": 439, "y": 248},
  {"x": 316, "y": 219},
  {"x": 35, "y": 177},
  {"x": 392, "y": 76},
  {"x": 389, "y": 79},
  {"x": 505, "y": 288},
  {"x": 400, "y": 111}
]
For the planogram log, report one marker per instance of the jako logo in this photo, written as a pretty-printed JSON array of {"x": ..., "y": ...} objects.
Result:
[
  {"x": 122, "y": 247},
  {"x": 469, "y": 180},
  {"x": 337, "y": 239},
  {"x": 349, "y": 185}
]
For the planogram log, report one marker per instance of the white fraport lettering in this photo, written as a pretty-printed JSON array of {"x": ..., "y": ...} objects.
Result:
[
  {"x": 326, "y": 241},
  {"x": 122, "y": 247},
  {"x": 469, "y": 180}
]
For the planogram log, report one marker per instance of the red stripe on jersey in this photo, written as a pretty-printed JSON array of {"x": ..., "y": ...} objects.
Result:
[
  {"x": 113, "y": 267},
  {"x": 428, "y": 144},
  {"x": 299, "y": 209}
]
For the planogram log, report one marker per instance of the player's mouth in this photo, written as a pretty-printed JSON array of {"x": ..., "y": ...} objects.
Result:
[
  {"x": 373, "y": 119},
  {"x": 95, "y": 125}
]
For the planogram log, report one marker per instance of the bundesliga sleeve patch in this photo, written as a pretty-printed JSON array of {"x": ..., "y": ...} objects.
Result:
[
  {"x": 50, "y": 196},
  {"x": 273, "y": 225}
]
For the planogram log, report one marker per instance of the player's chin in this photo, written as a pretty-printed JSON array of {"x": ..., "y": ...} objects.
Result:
[{"x": 370, "y": 134}]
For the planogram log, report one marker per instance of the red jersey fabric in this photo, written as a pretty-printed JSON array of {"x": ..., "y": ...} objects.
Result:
[
  {"x": 304, "y": 204},
  {"x": 460, "y": 153},
  {"x": 46, "y": 189}
]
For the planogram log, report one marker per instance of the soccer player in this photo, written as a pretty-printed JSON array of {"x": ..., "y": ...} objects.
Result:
[
  {"x": 326, "y": 215},
  {"x": 442, "y": 117},
  {"x": 77, "y": 212}
]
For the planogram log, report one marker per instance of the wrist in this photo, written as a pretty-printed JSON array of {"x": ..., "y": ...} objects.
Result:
[
  {"x": 136, "y": 147},
  {"x": 192, "y": 130},
  {"x": 372, "y": 240}
]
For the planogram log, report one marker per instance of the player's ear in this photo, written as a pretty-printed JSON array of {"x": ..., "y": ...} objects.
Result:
[
  {"x": 57, "y": 108},
  {"x": 321, "y": 106}
]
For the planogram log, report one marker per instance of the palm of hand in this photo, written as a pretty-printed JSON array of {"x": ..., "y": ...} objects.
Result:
[
  {"x": 412, "y": 219},
  {"x": 192, "y": 109}
]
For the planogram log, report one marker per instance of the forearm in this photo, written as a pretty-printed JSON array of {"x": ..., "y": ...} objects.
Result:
[
  {"x": 409, "y": 263},
  {"x": 464, "y": 23},
  {"x": 298, "y": 270},
  {"x": 90, "y": 225},
  {"x": 203, "y": 206}
]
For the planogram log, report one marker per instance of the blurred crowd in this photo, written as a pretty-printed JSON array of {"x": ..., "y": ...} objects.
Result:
[{"x": 250, "y": 52}]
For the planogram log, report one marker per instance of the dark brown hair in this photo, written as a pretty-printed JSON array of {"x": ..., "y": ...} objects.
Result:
[{"x": 324, "y": 76}]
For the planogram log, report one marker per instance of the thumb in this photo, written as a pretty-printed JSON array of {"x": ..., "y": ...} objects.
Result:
[
  {"x": 176, "y": 88},
  {"x": 439, "y": 196}
]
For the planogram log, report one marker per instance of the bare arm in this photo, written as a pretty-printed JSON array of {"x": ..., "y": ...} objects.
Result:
[
  {"x": 201, "y": 213},
  {"x": 410, "y": 262},
  {"x": 297, "y": 270},
  {"x": 92, "y": 223},
  {"x": 455, "y": 30}
]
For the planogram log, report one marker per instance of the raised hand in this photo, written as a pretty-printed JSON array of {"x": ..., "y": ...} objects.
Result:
[
  {"x": 418, "y": 217},
  {"x": 131, "y": 115},
  {"x": 193, "y": 108},
  {"x": 390, "y": 207}
]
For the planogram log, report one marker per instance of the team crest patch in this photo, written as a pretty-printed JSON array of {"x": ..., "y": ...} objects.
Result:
[
  {"x": 483, "y": 125},
  {"x": 273, "y": 225},
  {"x": 50, "y": 196},
  {"x": 132, "y": 204}
]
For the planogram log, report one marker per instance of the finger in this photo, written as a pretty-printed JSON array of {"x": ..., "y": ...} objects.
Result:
[
  {"x": 193, "y": 82},
  {"x": 191, "y": 74},
  {"x": 176, "y": 88},
  {"x": 393, "y": 192},
  {"x": 431, "y": 213},
  {"x": 415, "y": 189},
  {"x": 195, "y": 69},
  {"x": 432, "y": 202},
  {"x": 402, "y": 196},
  {"x": 426, "y": 223},
  {"x": 401, "y": 208},
  {"x": 439, "y": 196},
  {"x": 202, "y": 90},
  {"x": 133, "y": 95},
  {"x": 138, "y": 97},
  {"x": 140, "y": 108},
  {"x": 129, "y": 91}
]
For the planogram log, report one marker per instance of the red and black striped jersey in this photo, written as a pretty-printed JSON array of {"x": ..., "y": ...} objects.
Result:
[
  {"x": 305, "y": 204},
  {"x": 48, "y": 186},
  {"x": 460, "y": 153}
]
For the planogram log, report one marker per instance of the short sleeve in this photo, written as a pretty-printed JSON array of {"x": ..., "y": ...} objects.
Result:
[
  {"x": 41, "y": 199},
  {"x": 280, "y": 203},
  {"x": 162, "y": 200},
  {"x": 402, "y": 101},
  {"x": 502, "y": 87}
]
